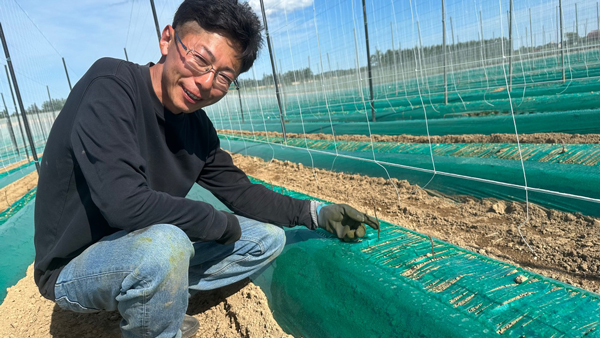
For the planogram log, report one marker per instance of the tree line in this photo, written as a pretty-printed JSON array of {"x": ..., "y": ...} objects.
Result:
[{"x": 47, "y": 106}]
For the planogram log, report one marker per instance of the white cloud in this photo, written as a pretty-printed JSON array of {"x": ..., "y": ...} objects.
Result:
[{"x": 279, "y": 6}]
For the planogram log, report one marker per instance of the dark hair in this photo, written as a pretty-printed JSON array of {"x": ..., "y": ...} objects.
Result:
[{"x": 230, "y": 17}]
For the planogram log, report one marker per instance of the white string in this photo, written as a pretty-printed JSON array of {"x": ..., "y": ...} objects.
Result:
[
  {"x": 371, "y": 138},
  {"x": 421, "y": 95},
  {"x": 263, "y": 116},
  {"x": 312, "y": 161},
  {"x": 517, "y": 135}
]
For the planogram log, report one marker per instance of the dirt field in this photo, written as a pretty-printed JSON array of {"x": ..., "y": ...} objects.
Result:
[{"x": 567, "y": 248}]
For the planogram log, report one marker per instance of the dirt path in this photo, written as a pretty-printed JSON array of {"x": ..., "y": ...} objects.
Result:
[
  {"x": 14, "y": 191},
  {"x": 237, "y": 311}
]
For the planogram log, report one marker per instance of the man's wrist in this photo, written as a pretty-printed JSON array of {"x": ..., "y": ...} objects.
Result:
[{"x": 315, "y": 207}]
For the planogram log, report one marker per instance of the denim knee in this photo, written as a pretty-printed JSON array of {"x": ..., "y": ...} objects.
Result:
[
  {"x": 167, "y": 251},
  {"x": 273, "y": 240}
]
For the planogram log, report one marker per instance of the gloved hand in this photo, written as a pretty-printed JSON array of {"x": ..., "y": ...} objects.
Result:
[
  {"x": 233, "y": 232},
  {"x": 344, "y": 221}
]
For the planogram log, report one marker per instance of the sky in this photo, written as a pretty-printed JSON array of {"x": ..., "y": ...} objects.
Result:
[{"x": 304, "y": 33}]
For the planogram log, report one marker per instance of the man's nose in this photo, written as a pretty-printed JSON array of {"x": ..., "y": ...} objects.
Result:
[{"x": 205, "y": 81}]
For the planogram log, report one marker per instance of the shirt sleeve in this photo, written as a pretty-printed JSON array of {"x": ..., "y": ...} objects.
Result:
[
  {"x": 105, "y": 146},
  {"x": 232, "y": 187}
]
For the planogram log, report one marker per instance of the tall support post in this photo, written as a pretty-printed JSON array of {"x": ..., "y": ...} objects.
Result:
[
  {"x": 276, "y": 82},
  {"x": 531, "y": 40},
  {"x": 454, "y": 47},
  {"x": 395, "y": 63},
  {"x": 577, "y": 32},
  {"x": 155, "y": 19},
  {"x": 510, "y": 46},
  {"x": 562, "y": 41},
  {"x": 51, "y": 103},
  {"x": 14, "y": 80},
  {"x": 40, "y": 124},
  {"x": 125, "y": 50},
  {"x": 483, "y": 53},
  {"x": 10, "y": 127},
  {"x": 576, "y": 22},
  {"x": 241, "y": 106},
  {"x": 368, "y": 60},
  {"x": 444, "y": 51},
  {"x": 597, "y": 25},
  {"x": 67, "y": 73},
  {"x": 530, "y": 30},
  {"x": 17, "y": 112},
  {"x": 358, "y": 72}
]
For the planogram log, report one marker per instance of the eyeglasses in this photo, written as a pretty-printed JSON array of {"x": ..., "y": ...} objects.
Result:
[{"x": 199, "y": 65}]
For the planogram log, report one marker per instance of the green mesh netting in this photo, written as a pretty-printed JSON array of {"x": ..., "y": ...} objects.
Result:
[
  {"x": 553, "y": 175},
  {"x": 16, "y": 247},
  {"x": 394, "y": 287}
]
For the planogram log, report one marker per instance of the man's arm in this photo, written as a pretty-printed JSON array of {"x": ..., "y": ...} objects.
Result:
[
  {"x": 106, "y": 149},
  {"x": 232, "y": 187}
]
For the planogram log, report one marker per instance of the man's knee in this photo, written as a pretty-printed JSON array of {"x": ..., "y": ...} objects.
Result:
[
  {"x": 272, "y": 241},
  {"x": 167, "y": 250}
]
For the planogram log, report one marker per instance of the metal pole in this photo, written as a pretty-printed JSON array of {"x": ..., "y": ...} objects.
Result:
[
  {"x": 562, "y": 41},
  {"x": 368, "y": 60},
  {"x": 125, "y": 50},
  {"x": 455, "y": 48},
  {"x": 14, "y": 80},
  {"x": 66, "y": 72},
  {"x": 576, "y": 22},
  {"x": 531, "y": 39},
  {"x": 155, "y": 19},
  {"x": 358, "y": 73},
  {"x": 395, "y": 63},
  {"x": 262, "y": 8},
  {"x": 17, "y": 112},
  {"x": 577, "y": 32},
  {"x": 444, "y": 49},
  {"x": 510, "y": 46},
  {"x": 10, "y": 127},
  {"x": 483, "y": 53},
  {"x": 51, "y": 103},
  {"x": 40, "y": 124},
  {"x": 241, "y": 107}
]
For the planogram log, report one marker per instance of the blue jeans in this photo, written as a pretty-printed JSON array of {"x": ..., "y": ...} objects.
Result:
[{"x": 147, "y": 274}]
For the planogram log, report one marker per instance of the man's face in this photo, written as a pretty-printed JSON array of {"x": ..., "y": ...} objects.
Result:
[{"x": 183, "y": 90}]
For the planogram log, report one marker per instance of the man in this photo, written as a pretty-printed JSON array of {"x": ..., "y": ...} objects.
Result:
[{"x": 114, "y": 230}]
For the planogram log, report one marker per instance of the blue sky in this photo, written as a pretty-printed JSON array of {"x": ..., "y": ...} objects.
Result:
[{"x": 40, "y": 33}]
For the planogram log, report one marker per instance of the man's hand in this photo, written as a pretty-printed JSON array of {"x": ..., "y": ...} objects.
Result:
[
  {"x": 233, "y": 232},
  {"x": 345, "y": 222}
]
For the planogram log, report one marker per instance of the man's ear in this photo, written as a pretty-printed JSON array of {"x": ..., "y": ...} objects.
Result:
[{"x": 165, "y": 39}]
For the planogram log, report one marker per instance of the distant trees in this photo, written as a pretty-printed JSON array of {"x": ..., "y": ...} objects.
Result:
[
  {"x": 47, "y": 106},
  {"x": 55, "y": 105}
]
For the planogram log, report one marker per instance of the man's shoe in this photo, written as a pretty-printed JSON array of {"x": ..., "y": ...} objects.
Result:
[{"x": 189, "y": 327}]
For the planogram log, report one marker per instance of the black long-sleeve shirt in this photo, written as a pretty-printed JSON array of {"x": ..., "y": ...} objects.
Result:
[{"x": 116, "y": 159}]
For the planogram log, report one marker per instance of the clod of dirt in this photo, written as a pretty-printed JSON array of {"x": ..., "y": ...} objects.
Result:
[
  {"x": 498, "y": 207},
  {"x": 520, "y": 279}
]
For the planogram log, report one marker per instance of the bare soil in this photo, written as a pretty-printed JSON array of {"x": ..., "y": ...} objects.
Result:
[{"x": 240, "y": 310}]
